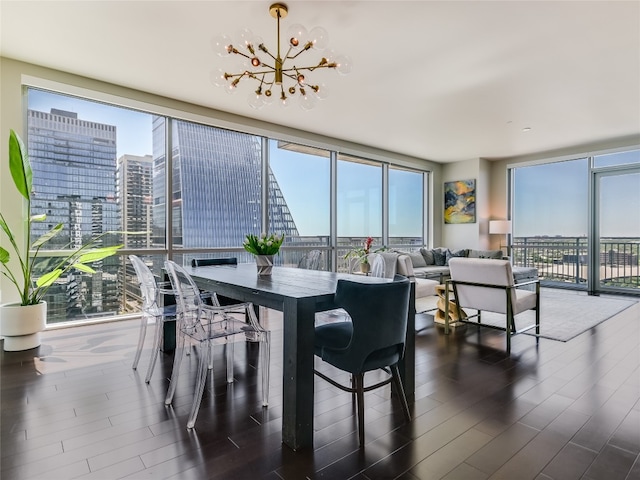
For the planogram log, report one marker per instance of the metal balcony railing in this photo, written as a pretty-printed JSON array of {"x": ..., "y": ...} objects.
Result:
[{"x": 565, "y": 259}]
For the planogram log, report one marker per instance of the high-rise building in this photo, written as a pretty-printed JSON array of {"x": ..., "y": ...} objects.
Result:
[
  {"x": 74, "y": 165},
  {"x": 216, "y": 182},
  {"x": 134, "y": 193}
]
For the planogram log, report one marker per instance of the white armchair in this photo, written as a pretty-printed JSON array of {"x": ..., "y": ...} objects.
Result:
[{"x": 483, "y": 284}]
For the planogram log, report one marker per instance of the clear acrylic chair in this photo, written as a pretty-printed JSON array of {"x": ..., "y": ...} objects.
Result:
[
  {"x": 203, "y": 324},
  {"x": 311, "y": 260},
  {"x": 152, "y": 293}
]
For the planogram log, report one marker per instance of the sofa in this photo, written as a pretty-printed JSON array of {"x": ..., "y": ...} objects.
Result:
[{"x": 434, "y": 263}]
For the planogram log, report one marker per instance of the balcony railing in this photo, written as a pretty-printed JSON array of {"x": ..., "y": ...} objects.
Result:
[{"x": 565, "y": 259}]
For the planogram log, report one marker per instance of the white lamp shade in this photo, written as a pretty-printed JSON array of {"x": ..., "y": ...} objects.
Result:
[{"x": 500, "y": 227}]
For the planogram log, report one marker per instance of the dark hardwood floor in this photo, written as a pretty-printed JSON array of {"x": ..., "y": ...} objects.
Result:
[{"x": 74, "y": 409}]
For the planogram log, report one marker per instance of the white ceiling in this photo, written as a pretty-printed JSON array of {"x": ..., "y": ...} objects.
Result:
[{"x": 438, "y": 80}]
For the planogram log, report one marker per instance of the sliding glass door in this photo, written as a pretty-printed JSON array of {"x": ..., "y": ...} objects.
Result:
[{"x": 616, "y": 239}]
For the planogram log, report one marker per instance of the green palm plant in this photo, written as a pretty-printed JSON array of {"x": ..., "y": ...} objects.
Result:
[{"x": 31, "y": 289}]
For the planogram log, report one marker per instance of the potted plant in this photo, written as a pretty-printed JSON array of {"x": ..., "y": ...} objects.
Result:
[
  {"x": 264, "y": 248},
  {"x": 362, "y": 253},
  {"x": 21, "y": 322}
]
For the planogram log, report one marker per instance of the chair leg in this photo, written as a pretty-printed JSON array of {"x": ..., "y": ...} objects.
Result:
[
  {"x": 229, "y": 347},
  {"x": 265, "y": 358},
  {"x": 508, "y": 331},
  {"x": 141, "y": 335},
  {"x": 177, "y": 360},
  {"x": 203, "y": 365},
  {"x": 157, "y": 342},
  {"x": 397, "y": 381},
  {"x": 358, "y": 380}
]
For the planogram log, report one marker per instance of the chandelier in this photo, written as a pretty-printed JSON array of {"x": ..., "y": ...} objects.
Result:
[{"x": 279, "y": 76}]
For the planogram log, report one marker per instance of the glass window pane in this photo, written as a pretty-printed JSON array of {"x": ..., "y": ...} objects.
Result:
[
  {"x": 550, "y": 219},
  {"x": 91, "y": 173},
  {"x": 299, "y": 190},
  {"x": 216, "y": 186},
  {"x": 620, "y": 158},
  {"x": 406, "y": 207},
  {"x": 359, "y": 204}
]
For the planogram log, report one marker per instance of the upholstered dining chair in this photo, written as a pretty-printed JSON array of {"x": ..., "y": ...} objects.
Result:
[
  {"x": 152, "y": 293},
  {"x": 373, "y": 339},
  {"x": 206, "y": 262},
  {"x": 203, "y": 324},
  {"x": 489, "y": 285}
]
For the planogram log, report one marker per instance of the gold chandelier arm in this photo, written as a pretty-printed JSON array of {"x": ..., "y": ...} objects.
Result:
[
  {"x": 265, "y": 50},
  {"x": 307, "y": 46}
]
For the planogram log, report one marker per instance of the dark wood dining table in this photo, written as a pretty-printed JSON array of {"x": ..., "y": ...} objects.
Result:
[{"x": 298, "y": 294}]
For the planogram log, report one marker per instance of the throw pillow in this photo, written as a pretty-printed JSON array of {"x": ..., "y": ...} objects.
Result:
[
  {"x": 440, "y": 256},
  {"x": 457, "y": 253},
  {"x": 428, "y": 256},
  {"x": 417, "y": 260}
]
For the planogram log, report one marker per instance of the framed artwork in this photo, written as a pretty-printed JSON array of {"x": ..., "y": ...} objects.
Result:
[{"x": 460, "y": 201}]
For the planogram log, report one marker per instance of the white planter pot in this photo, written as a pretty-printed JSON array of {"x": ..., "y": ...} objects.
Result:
[{"x": 21, "y": 325}]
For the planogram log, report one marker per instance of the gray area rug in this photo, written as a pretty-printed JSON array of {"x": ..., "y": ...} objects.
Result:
[{"x": 564, "y": 314}]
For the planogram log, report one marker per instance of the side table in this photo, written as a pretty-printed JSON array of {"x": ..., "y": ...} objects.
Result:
[{"x": 454, "y": 320}]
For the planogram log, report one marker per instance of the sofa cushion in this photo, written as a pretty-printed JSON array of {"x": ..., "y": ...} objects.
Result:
[
  {"x": 456, "y": 253},
  {"x": 428, "y": 256},
  {"x": 440, "y": 256},
  {"x": 496, "y": 254},
  {"x": 417, "y": 260}
]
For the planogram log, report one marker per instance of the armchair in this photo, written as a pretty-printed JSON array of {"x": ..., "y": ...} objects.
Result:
[{"x": 484, "y": 284}]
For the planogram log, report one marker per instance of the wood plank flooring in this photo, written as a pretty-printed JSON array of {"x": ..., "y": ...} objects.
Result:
[{"x": 74, "y": 408}]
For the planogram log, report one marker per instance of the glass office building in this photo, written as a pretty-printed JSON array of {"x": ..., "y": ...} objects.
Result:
[
  {"x": 74, "y": 164},
  {"x": 216, "y": 187}
]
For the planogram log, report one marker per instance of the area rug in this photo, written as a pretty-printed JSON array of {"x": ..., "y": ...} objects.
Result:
[{"x": 564, "y": 314}]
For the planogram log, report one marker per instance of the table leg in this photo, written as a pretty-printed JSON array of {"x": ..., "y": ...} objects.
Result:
[{"x": 298, "y": 357}]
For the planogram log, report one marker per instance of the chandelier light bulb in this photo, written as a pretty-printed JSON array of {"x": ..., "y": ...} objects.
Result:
[
  {"x": 221, "y": 44},
  {"x": 297, "y": 35},
  {"x": 343, "y": 64},
  {"x": 319, "y": 37},
  {"x": 256, "y": 100},
  {"x": 245, "y": 38},
  {"x": 308, "y": 100},
  {"x": 289, "y": 71}
]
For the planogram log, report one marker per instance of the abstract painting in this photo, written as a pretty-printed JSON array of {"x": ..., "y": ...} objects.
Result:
[{"x": 460, "y": 201}]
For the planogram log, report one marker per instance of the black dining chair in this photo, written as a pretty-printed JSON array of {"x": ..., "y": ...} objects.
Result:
[
  {"x": 205, "y": 262},
  {"x": 373, "y": 339}
]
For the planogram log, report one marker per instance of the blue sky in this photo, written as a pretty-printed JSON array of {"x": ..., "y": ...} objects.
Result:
[{"x": 552, "y": 199}]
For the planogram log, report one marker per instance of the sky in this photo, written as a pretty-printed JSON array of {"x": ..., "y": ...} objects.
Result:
[{"x": 552, "y": 199}]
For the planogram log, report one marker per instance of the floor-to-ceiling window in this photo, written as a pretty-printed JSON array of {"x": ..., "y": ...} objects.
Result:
[
  {"x": 576, "y": 221},
  {"x": 406, "y": 208},
  {"x": 299, "y": 193},
  {"x": 177, "y": 189},
  {"x": 359, "y": 205}
]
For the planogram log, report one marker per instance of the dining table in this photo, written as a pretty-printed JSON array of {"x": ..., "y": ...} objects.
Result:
[{"x": 298, "y": 293}]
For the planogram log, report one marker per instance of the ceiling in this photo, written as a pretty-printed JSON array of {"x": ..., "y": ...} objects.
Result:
[{"x": 439, "y": 80}]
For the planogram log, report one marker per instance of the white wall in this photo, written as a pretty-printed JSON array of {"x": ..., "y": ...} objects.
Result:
[{"x": 469, "y": 235}]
